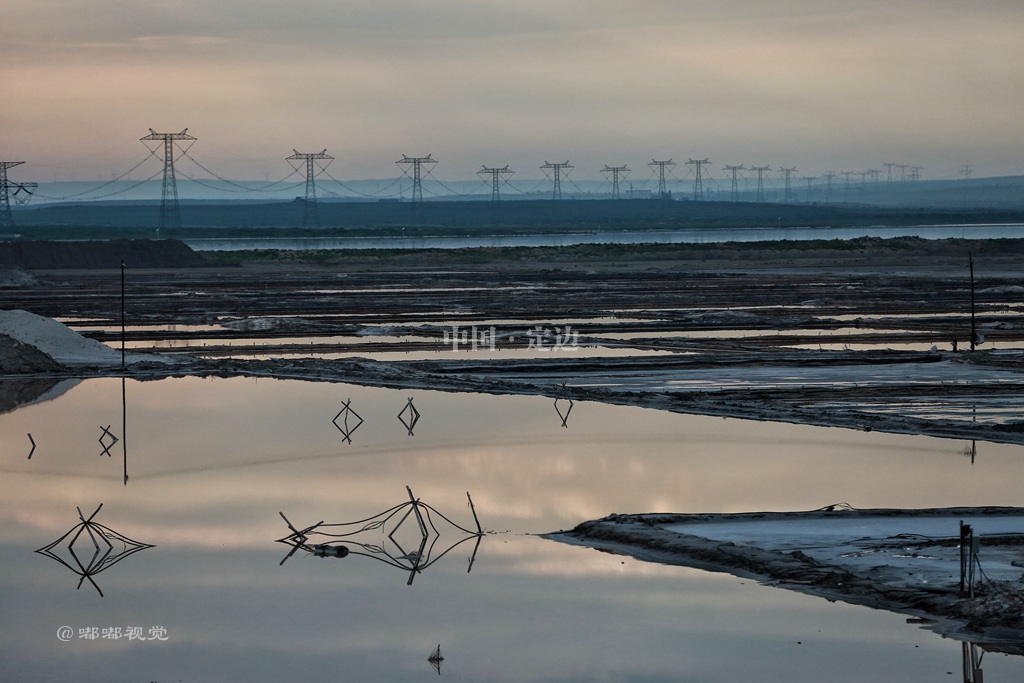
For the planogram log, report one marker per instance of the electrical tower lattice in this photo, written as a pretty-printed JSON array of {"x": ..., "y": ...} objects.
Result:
[
  {"x": 615, "y": 172},
  {"x": 417, "y": 163},
  {"x": 556, "y": 192},
  {"x": 662, "y": 190},
  {"x": 310, "y": 209},
  {"x": 170, "y": 212},
  {"x": 760, "y": 180},
  {"x": 495, "y": 174},
  {"x": 698, "y": 184},
  {"x": 787, "y": 174},
  {"x": 734, "y": 193},
  {"x": 6, "y": 217}
]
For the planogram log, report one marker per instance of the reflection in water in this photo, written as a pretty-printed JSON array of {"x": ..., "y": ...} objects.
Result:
[
  {"x": 411, "y": 551},
  {"x": 972, "y": 655},
  {"x": 104, "y": 438},
  {"x": 411, "y": 419},
  {"x": 345, "y": 429},
  {"x": 568, "y": 409},
  {"x": 435, "y": 659},
  {"x": 214, "y": 460},
  {"x": 102, "y": 558}
]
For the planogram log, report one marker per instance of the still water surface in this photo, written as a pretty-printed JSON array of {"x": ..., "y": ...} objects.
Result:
[
  {"x": 752, "y": 234},
  {"x": 211, "y": 463}
]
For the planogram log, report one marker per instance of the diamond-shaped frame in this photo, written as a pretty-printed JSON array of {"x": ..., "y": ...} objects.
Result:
[{"x": 346, "y": 429}]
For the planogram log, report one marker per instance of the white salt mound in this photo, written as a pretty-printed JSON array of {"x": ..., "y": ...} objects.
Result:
[{"x": 56, "y": 340}]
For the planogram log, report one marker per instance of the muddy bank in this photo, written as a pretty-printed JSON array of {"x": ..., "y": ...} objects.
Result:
[
  {"x": 49, "y": 255},
  {"x": 993, "y": 616}
]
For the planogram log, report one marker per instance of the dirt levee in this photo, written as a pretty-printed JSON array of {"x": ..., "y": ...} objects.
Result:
[{"x": 47, "y": 255}]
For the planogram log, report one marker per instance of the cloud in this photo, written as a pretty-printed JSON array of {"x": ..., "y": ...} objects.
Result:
[{"x": 473, "y": 80}]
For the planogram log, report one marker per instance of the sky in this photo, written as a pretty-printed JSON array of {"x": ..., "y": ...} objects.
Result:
[{"x": 820, "y": 85}]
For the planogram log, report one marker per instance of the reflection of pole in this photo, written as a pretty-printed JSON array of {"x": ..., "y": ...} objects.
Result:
[
  {"x": 974, "y": 329},
  {"x": 122, "y": 315},
  {"x": 124, "y": 428},
  {"x": 972, "y": 664}
]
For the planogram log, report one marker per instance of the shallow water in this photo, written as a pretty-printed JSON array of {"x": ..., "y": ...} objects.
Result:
[
  {"x": 752, "y": 234},
  {"x": 211, "y": 463}
]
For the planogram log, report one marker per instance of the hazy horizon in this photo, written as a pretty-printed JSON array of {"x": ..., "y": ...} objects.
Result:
[{"x": 819, "y": 86}]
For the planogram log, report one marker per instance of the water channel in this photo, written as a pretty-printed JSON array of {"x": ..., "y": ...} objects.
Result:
[
  {"x": 694, "y": 236},
  {"x": 212, "y": 463}
]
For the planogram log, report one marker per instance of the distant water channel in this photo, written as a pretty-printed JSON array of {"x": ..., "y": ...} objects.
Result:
[
  {"x": 211, "y": 464},
  {"x": 758, "y": 234}
]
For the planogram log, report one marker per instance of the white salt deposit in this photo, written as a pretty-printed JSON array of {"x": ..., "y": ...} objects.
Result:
[{"x": 58, "y": 341}]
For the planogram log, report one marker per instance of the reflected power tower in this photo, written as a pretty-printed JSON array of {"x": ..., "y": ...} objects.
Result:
[
  {"x": 416, "y": 163},
  {"x": 556, "y": 193},
  {"x": 760, "y": 180},
  {"x": 6, "y": 217},
  {"x": 662, "y": 190},
  {"x": 615, "y": 172},
  {"x": 170, "y": 212},
  {"x": 698, "y": 185},
  {"x": 734, "y": 193},
  {"x": 310, "y": 209},
  {"x": 495, "y": 174}
]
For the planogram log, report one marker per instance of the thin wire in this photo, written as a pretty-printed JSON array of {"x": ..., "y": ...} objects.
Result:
[
  {"x": 263, "y": 188},
  {"x": 98, "y": 187},
  {"x": 473, "y": 192}
]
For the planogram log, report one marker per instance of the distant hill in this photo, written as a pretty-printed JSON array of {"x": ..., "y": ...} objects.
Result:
[{"x": 107, "y": 220}]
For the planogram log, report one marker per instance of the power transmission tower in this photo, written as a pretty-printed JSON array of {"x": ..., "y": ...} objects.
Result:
[
  {"x": 495, "y": 174},
  {"x": 698, "y": 184},
  {"x": 829, "y": 175},
  {"x": 615, "y": 171},
  {"x": 310, "y": 209},
  {"x": 809, "y": 179},
  {"x": 170, "y": 212},
  {"x": 787, "y": 174},
  {"x": 734, "y": 194},
  {"x": 557, "y": 191},
  {"x": 915, "y": 172},
  {"x": 888, "y": 170},
  {"x": 903, "y": 171},
  {"x": 760, "y": 180},
  {"x": 417, "y": 163},
  {"x": 6, "y": 217},
  {"x": 846, "y": 187},
  {"x": 662, "y": 191},
  {"x": 966, "y": 172}
]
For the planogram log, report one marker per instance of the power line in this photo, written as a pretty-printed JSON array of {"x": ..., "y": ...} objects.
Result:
[
  {"x": 698, "y": 185},
  {"x": 310, "y": 211},
  {"x": 416, "y": 163},
  {"x": 734, "y": 193},
  {"x": 787, "y": 174},
  {"x": 6, "y": 217},
  {"x": 557, "y": 168},
  {"x": 661, "y": 165},
  {"x": 170, "y": 212},
  {"x": 495, "y": 174},
  {"x": 615, "y": 172},
  {"x": 760, "y": 181}
]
